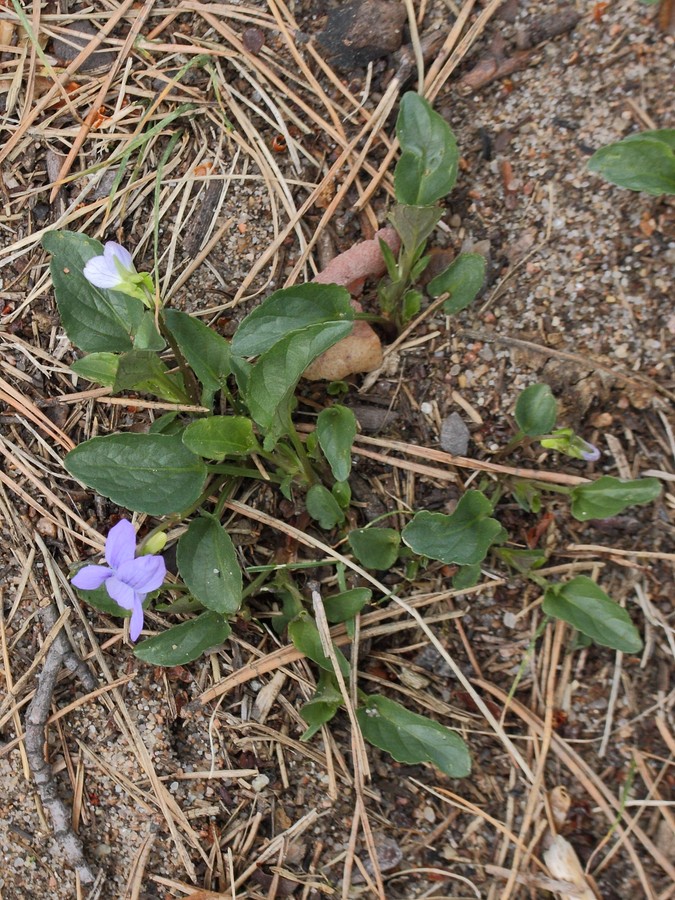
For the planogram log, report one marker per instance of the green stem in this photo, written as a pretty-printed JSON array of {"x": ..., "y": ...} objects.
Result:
[
  {"x": 303, "y": 459},
  {"x": 191, "y": 383},
  {"x": 241, "y": 472}
]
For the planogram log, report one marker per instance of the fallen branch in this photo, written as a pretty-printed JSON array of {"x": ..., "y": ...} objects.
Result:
[{"x": 59, "y": 654}]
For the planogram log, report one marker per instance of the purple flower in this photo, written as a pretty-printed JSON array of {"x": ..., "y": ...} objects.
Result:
[
  {"x": 589, "y": 452},
  {"x": 128, "y": 580},
  {"x": 111, "y": 269}
]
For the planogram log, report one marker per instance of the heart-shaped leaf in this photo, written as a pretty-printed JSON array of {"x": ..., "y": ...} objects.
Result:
[{"x": 463, "y": 537}]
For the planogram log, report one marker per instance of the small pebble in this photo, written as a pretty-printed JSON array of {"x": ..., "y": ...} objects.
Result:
[{"x": 454, "y": 435}]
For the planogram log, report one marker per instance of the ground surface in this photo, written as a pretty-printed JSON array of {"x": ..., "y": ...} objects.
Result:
[{"x": 167, "y": 793}]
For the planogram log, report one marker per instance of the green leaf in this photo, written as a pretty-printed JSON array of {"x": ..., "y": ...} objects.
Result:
[
  {"x": 322, "y": 707},
  {"x": 336, "y": 430},
  {"x": 414, "y": 224},
  {"x": 526, "y": 495},
  {"x": 151, "y": 473},
  {"x": 100, "y": 599},
  {"x": 466, "y": 577},
  {"x": 169, "y": 423},
  {"x": 412, "y": 303},
  {"x": 375, "y": 548},
  {"x": 346, "y": 605},
  {"x": 609, "y": 496},
  {"x": 389, "y": 260},
  {"x": 342, "y": 493},
  {"x": 536, "y": 410},
  {"x": 207, "y": 562},
  {"x": 184, "y": 643},
  {"x": 412, "y": 739},
  {"x": 522, "y": 560},
  {"x": 147, "y": 336},
  {"x": 143, "y": 370},
  {"x": 323, "y": 507},
  {"x": 463, "y": 280},
  {"x": 98, "y": 367},
  {"x": 289, "y": 310},
  {"x": 427, "y": 169},
  {"x": 273, "y": 379},
  {"x": 586, "y": 607},
  {"x": 94, "y": 319},
  {"x": 221, "y": 436},
  {"x": 641, "y": 162},
  {"x": 463, "y": 537},
  {"x": 207, "y": 353},
  {"x": 305, "y": 636}
]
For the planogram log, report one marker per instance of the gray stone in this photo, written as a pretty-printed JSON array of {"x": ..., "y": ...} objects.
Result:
[{"x": 454, "y": 435}]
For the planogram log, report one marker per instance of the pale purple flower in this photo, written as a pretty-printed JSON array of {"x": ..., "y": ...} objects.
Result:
[
  {"x": 128, "y": 579},
  {"x": 589, "y": 452},
  {"x": 110, "y": 269}
]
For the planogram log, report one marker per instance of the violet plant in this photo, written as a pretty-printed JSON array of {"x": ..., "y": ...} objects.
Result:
[{"x": 233, "y": 421}]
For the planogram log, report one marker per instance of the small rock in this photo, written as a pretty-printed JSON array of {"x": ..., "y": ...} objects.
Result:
[
  {"x": 454, "y": 435},
  {"x": 253, "y": 40},
  {"x": 358, "y": 33},
  {"x": 67, "y": 46}
]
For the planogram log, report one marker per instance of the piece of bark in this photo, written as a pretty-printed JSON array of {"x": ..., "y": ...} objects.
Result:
[
  {"x": 496, "y": 64},
  {"x": 36, "y": 719},
  {"x": 358, "y": 33},
  {"x": 360, "y": 351}
]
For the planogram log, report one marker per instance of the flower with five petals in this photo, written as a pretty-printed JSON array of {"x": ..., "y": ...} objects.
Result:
[{"x": 128, "y": 579}]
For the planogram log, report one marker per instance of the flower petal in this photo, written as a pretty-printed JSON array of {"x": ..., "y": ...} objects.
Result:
[
  {"x": 91, "y": 577},
  {"x": 113, "y": 251},
  {"x": 122, "y": 594},
  {"x": 101, "y": 273},
  {"x": 120, "y": 545},
  {"x": 590, "y": 452},
  {"x": 136, "y": 624},
  {"x": 144, "y": 574}
]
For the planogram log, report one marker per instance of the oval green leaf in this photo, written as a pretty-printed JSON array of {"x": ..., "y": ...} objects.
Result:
[
  {"x": 207, "y": 562},
  {"x": 98, "y": 367},
  {"x": 375, "y": 548},
  {"x": 536, "y": 410},
  {"x": 336, "y": 430},
  {"x": 221, "y": 436},
  {"x": 323, "y": 507},
  {"x": 427, "y": 169},
  {"x": 411, "y": 738},
  {"x": 288, "y": 310},
  {"x": 609, "y": 496},
  {"x": 305, "y": 636},
  {"x": 186, "y": 642},
  {"x": 207, "y": 352},
  {"x": 151, "y": 473},
  {"x": 463, "y": 279},
  {"x": 273, "y": 379},
  {"x": 586, "y": 607},
  {"x": 642, "y": 162}
]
